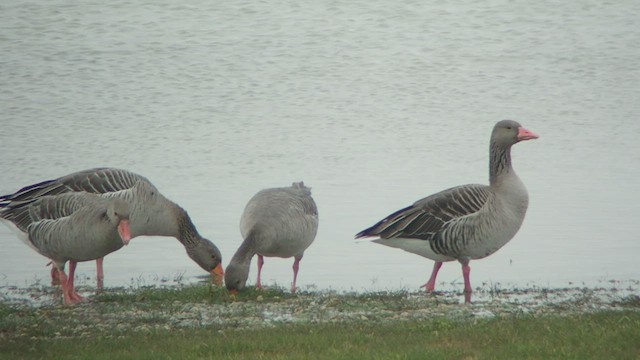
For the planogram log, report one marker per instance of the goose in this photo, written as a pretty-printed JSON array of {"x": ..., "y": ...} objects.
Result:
[
  {"x": 151, "y": 213},
  {"x": 70, "y": 227},
  {"x": 466, "y": 222},
  {"x": 277, "y": 222}
]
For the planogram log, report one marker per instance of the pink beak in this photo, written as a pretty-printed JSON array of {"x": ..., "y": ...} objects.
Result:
[
  {"x": 524, "y": 134},
  {"x": 123, "y": 230}
]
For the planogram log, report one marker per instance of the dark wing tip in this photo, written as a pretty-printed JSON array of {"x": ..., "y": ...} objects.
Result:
[
  {"x": 377, "y": 229},
  {"x": 364, "y": 233},
  {"x": 371, "y": 231}
]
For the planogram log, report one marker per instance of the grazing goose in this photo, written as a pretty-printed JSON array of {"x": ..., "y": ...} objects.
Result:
[
  {"x": 151, "y": 213},
  {"x": 278, "y": 222},
  {"x": 465, "y": 222},
  {"x": 70, "y": 227}
]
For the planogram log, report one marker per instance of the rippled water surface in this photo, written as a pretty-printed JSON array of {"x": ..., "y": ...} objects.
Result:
[{"x": 374, "y": 104}]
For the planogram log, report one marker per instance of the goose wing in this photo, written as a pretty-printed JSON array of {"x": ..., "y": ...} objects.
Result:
[
  {"x": 429, "y": 216},
  {"x": 97, "y": 181}
]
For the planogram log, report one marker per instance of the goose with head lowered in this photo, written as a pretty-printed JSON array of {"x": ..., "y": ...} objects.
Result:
[
  {"x": 277, "y": 222},
  {"x": 152, "y": 213},
  {"x": 466, "y": 222}
]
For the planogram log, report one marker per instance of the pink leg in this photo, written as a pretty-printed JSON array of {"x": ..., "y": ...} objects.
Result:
[
  {"x": 466, "y": 270},
  {"x": 67, "y": 287},
  {"x": 100, "y": 273},
  {"x": 72, "y": 273},
  {"x": 260, "y": 263},
  {"x": 64, "y": 284},
  {"x": 70, "y": 285},
  {"x": 296, "y": 266},
  {"x": 431, "y": 284},
  {"x": 55, "y": 275}
]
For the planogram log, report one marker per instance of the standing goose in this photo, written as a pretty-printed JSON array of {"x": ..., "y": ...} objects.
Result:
[
  {"x": 151, "y": 213},
  {"x": 465, "y": 222},
  {"x": 278, "y": 222},
  {"x": 89, "y": 227}
]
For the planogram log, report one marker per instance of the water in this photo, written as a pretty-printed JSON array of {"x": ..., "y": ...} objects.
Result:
[{"x": 374, "y": 104}]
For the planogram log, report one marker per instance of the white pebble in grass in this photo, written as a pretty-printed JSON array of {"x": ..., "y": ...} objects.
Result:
[{"x": 484, "y": 314}]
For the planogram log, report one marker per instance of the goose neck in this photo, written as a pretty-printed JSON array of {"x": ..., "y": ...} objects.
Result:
[{"x": 499, "y": 162}]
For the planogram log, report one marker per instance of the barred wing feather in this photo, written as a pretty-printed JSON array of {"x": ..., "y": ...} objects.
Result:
[{"x": 429, "y": 216}]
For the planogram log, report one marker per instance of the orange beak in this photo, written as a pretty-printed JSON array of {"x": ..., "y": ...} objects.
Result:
[
  {"x": 218, "y": 274},
  {"x": 123, "y": 231},
  {"x": 233, "y": 292}
]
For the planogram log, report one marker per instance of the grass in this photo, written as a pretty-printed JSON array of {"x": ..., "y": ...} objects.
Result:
[
  {"x": 199, "y": 293},
  {"x": 148, "y": 323},
  {"x": 587, "y": 336}
]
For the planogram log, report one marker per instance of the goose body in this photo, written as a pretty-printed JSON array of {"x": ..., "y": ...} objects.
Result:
[
  {"x": 276, "y": 222},
  {"x": 466, "y": 222},
  {"x": 152, "y": 213},
  {"x": 89, "y": 228}
]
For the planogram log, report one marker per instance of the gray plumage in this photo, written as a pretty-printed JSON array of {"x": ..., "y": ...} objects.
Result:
[
  {"x": 86, "y": 230},
  {"x": 151, "y": 212},
  {"x": 465, "y": 222},
  {"x": 70, "y": 227},
  {"x": 277, "y": 222}
]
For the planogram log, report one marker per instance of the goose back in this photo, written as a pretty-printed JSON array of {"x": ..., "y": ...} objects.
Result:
[
  {"x": 88, "y": 230},
  {"x": 151, "y": 212},
  {"x": 282, "y": 222}
]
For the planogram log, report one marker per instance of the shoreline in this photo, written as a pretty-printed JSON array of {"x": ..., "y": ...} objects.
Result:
[{"x": 118, "y": 310}]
